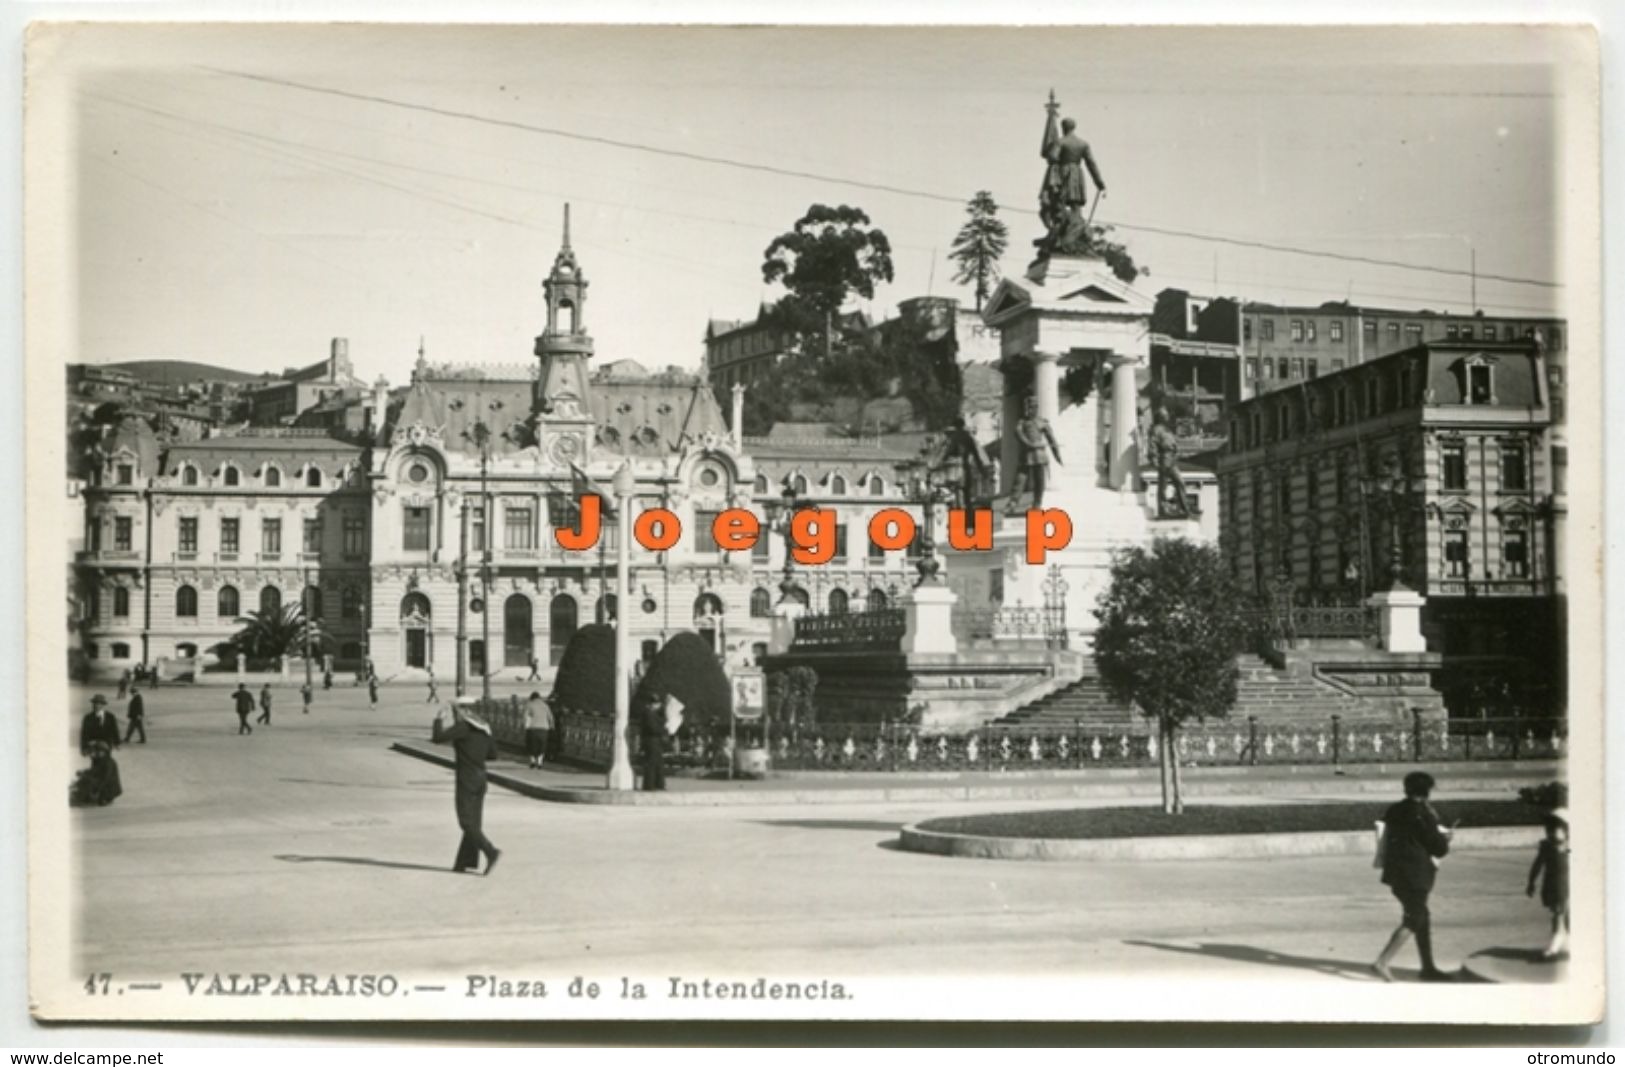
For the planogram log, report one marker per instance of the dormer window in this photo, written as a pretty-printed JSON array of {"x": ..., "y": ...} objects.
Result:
[
  {"x": 837, "y": 484},
  {"x": 189, "y": 475},
  {"x": 1480, "y": 384},
  {"x": 126, "y": 474},
  {"x": 877, "y": 485},
  {"x": 313, "y": 478},
  {"x": 273, "y": 477},
  {"x": 231, "y": 476}
]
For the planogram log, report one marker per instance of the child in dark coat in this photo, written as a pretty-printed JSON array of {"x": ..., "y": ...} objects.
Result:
[{"x": 1553, "y": 861}]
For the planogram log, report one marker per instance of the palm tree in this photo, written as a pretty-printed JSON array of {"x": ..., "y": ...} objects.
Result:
[
  {"x": 269, "y": 634},
  {"x": 980, "y": 244}
]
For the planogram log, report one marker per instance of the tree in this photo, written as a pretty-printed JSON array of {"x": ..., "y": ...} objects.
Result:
[
  {"x": 1170, "y": 625},
  {"x": 269, "y": 634},
  {"x": 981, "y": 241},
  {"x": 832, "y": 253},
  {"x": 686, "y": 668}
]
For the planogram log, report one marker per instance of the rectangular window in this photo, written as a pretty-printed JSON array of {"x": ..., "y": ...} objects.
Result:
[
  {"x": 1340, "y": 484},
  {"x": 1246, "y": 329},
  {"x": 1455, "y": 553},
  {"x": 476, "y": 529},
  {"x": 122, "y": 533},
  {"x": 764, "y": 544},
  {"x": 1369, "y": 329},
  {"x": 1466, "y": 333},
  {"x": 1268, "y": 326},
  {"x": 1560, "y": 469},
  {"x": 1312, "y": 490},
  {"x": 121, "y": 602},
  {"x": 96, "y": 535},
  {"x": 1269, "y": 370},
  {"x": 415, "y": 529},
  {"x": 840, "y": 541},
  {"x": 518, "y": 531},
  {"x": 1514, "y": 467},
  {"x": 1297, "y": 329},
  {"x": 126, "y": 474},
  {"x": 1285, "y": 496},
  {"x": 313, "y": 535},
  {"x": 1557, "y": 336},
  {"x": 876, "y": 552},
  {"x": 1479, "y": 389},
  {"x": 1337, "y": 365},
  {"x": 563, "y": 511},
  {"x": 1314, "y": 368},
  {"x": 1514, "y": 554},
  {"x": 1309, "y": 328},
  {"x": 1451, "y": 332},
  {"x": 230, "y": 534},
  {"x": 1453, "y": 465},
  {"x": 1335, "y": 329},
  {"x": 271, "y": 537},
  {"x": 1252, "y": 370},
  {"x": 1413, "y": 332},
  {"x": 355, "y": 536},
  {"x": 1393, "y": 333},
  {"x": 188, "y": 532},
  {"x": 705, "y": 538}
]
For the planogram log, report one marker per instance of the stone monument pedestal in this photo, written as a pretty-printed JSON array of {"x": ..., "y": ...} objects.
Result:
[
  {"x": 783, "y": 631},
  {"x": 928, "y": 620},
  {"x": 1399, "y": 615}
]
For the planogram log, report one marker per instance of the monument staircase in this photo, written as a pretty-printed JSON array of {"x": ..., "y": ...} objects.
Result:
[{"x": 1270, "y": 694}]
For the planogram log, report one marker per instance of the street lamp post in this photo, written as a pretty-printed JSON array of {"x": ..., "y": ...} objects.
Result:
[
  {"x": 480, "y": 436},
  {"x": 620, "y": 766},
  {"x": 924, "y": 491},
  {"x": 1394, "y": 489},
  {"x": 462, "y": 601},
  {"x": 304, "y": 595}
]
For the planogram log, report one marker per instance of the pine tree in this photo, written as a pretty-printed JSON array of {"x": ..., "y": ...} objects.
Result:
[{"x": 981, "y": 241}]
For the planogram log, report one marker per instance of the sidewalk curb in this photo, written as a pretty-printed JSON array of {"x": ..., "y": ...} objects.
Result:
[
  {"x": 1079, "y": 787},
  {"x": 1193, "y": 847}
]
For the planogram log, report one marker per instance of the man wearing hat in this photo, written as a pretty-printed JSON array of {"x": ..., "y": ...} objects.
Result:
[
  {"x": 99, "y": 725},
  {"x": 244, "y": 703},
  {"x": 1413, "y": 844},
  {"x": 470, "y": 738},
  {"x": 136, "y": 712}
]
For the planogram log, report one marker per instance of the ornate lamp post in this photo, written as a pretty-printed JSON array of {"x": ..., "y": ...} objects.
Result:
[
  {"x": 620, "y": 766},
  {"x": 1394, "y": 489},
  {"x": 924, "y": 490},
  {"x": 778, "y": 518}
]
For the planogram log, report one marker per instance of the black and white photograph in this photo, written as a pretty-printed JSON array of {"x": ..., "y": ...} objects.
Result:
[{"x": 610, "y": 522}]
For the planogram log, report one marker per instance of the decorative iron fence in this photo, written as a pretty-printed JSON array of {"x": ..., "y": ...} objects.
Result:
[
  {"x": 899, "y": 747},
  {"x": 1045, "y": 624},
  {"x": 864, "y": 631}
]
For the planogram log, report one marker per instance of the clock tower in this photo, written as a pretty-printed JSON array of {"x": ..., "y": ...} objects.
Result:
[{"x": 563, "y": 415}]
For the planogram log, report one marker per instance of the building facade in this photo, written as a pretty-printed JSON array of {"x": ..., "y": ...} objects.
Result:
[{"x": 1432, "y": 466}]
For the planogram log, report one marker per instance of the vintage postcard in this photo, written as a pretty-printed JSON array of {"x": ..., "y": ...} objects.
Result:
[{"x": 593, "y": 522}]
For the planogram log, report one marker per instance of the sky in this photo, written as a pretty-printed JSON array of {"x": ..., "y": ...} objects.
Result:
[{"x": 240, "y": 195}]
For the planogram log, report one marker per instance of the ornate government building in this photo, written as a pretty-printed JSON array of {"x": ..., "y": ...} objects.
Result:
[{"x": 386, "y": 535}]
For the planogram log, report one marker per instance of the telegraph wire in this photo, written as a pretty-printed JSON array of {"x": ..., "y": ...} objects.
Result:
[{"x": 857, "y": 183}]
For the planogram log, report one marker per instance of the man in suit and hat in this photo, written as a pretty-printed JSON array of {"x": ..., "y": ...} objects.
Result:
[
  {"x": 1413, "y": 844},
  {"x": 243, "y": 701},
  {"x": 136, "y": 712},
  {"x": 465, "y": 729},
  {"x": 98, "y": 725}
]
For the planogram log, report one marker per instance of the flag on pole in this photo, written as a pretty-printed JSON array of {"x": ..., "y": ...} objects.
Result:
[{"x": 582, "y": 486}]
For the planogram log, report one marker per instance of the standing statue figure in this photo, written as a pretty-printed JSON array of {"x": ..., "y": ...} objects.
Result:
[
  {"x": 971, "y": 477},
  {"x": 1163, "y": 447},
  {"x": 1064, "y": 192},
  {"x": 1037, "y": 442}
]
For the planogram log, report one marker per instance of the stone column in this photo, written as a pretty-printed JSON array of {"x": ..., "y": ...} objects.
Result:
[
  {"x": 1125, "y": 453},
  {"x": 737, "y": 426},
  {"x": 1009, "y": 447},
  {"x": 1047, "y": 384}
]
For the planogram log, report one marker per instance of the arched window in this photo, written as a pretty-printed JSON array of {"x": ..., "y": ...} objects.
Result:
[
  {"x": 837, "y": 602},
  {"x": 877, "y": 600},
  {"x": 231, "y": 475},
  {"x": 273, "y": 477},
  {"x": 877, "y": 485},
  {"x": 270, "y": 600},
  {"x": 837, "y": 485},
  {"x": 313, "y": 602},
  {"x": 707, "y": 605},
  {"x": 761, "y": 604},
  {"x": 561, "y": 626},
  {"x": 188, "y": 475},
  {"x": 186, "y": 602},
  {"x": 517, "y": 636},
  {"x": 227, "y": 604},
  {"x": 313, "y": 478},
  {"x": 799, "y": 485},
  {"x": 761, "y": 483}
]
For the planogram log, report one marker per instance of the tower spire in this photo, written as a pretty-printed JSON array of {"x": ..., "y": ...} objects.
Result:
[{"x": 566, "y": 226}]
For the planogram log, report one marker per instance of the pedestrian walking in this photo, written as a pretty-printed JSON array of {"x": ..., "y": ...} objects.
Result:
[
  {"x": 1552, "y": 860},
  {"x": 265, "y": 704},
  {"x": 434, "y": 694},
  {"x": 307, "y": 694},
  {"x": 652, "y": 727},
  {"x": 538, "y": 725},
  {"x": 372, "y": 691},
  {"x": 1413, "y": 842},
  {"x": 244, "y": 701},
  {"x": 124, "y": 682},
  {"x": 465, "y": 729},
  {"x": 137, "y": 714},
  {"x": 535, "y": 669}
]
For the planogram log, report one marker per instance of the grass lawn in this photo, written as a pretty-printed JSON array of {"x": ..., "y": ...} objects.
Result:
[{"x": 1149, "y": 821}]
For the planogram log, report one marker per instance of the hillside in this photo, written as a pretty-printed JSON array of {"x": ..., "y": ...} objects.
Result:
[{"x": 180, "y": 371}]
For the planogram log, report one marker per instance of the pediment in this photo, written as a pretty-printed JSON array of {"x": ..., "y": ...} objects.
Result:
[
  {"x": 1094, "y": 294},
  {"x": 1006, "y": 300}
]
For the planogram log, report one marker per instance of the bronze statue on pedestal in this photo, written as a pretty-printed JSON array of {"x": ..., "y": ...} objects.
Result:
[
  {"x": 1037, "y": 443},
  {"x": 1064, "y": 192}
]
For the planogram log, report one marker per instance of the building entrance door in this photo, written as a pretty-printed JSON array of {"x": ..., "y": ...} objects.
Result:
[{"x": 417, "y": 648}]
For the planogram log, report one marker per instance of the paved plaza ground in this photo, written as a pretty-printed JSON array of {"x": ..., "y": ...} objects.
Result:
[{"x": 311, "y": 846}]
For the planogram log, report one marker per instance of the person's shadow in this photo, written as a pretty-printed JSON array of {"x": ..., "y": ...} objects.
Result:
[
  {"x": 362, "y": 861},
  {"x": 1251, "y": 954}
]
